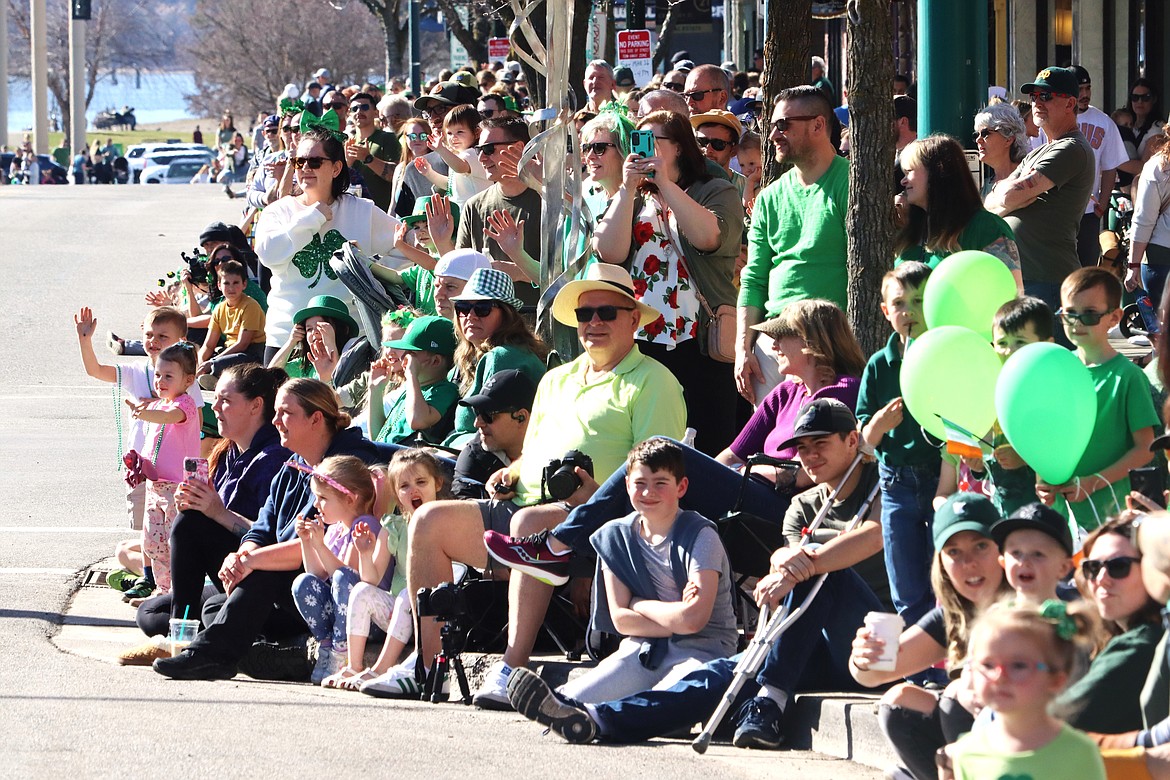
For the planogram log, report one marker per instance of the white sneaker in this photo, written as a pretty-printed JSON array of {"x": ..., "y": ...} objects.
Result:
[
  {"x": 493, "y": 695},
  {"x": 398, "y": 683}
]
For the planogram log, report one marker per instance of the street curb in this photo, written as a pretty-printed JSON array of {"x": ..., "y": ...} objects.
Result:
[{"x": 96, "y": 625}]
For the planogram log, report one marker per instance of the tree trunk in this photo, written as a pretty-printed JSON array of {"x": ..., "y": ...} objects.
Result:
[
  {"x": 467, "y": 35},
  {"x": 786, "y": 56},
  {"x": 869, "y": 223}
]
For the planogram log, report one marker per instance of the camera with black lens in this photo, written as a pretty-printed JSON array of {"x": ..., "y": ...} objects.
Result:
[
  {"x": 196, "y": 266},
  {"x": 443, "y": 602},
  {"x": 559, "y": 479}
]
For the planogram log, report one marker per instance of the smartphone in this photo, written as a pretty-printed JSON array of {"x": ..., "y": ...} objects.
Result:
[
  {"x": 1150, "y": 482},
  {"x": 196, "y": 470},
  {"x": 642, "y": 143}
]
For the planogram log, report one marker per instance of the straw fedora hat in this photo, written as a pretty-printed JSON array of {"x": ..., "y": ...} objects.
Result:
[{"x": 599, "y": 276}]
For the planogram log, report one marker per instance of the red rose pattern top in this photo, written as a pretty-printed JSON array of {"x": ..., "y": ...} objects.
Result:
[{"x": 659, "y": 280}]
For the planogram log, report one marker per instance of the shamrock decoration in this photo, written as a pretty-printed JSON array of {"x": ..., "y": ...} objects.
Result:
[{"x": 314, "y": 258}]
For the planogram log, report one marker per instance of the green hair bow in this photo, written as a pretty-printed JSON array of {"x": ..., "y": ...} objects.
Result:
[
  {"x": 290, "y": 106},
  {"x": 623, "y": 125},
  {"x": 1056, "y": 612},
  {"x": 329, "y": 122}
]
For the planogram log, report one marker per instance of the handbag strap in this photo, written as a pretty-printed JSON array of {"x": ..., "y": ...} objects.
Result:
[{"x": 682, "y": 258}]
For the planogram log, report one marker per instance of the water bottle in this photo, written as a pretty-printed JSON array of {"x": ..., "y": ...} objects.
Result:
[{"x": 1149, "y": 316}]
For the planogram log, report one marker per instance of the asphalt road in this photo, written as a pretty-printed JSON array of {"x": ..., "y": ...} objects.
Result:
[{"x": 65, "y": 715}]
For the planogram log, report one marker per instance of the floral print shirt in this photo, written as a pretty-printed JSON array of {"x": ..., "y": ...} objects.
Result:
[{"x": 660, "y": 280}]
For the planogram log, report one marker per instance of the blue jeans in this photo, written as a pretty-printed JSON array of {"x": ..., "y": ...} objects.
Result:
[
  {"x": 907, "y": 517},
  {"x": 824, "y": 632},
  {"x": 712, "y": 493},
  {"x": 1154, "y": 280},
  {"x": 1049, "y": 292},
  {"x": 324, "y": 604}
]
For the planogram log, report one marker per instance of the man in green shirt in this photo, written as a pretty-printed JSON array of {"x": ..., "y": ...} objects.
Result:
[
  {"x": 796, "y": 245},
  {"x": 371, "y": 151}
]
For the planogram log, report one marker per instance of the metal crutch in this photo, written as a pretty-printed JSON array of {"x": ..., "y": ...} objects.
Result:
[{"x": 769, "y": 628}]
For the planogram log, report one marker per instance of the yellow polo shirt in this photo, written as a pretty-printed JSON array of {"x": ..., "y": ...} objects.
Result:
[{"x": 638, "y": 399}]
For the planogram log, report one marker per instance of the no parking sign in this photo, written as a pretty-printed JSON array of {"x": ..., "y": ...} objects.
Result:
[{"x": 634, "y": 48}]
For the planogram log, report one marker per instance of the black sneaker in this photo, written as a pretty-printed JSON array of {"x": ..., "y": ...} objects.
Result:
[
  {"x": 758, "y": 724},
  {"x": 529, "y": 555},
  {"x": 190, "y": 665},
  {"x": 533, "y": 699}
]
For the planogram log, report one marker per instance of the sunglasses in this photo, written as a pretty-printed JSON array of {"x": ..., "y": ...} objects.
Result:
[
  {"x": 490, "y": 417},
  {"x": 604, "y": 313},
  {"x": 697, "y": 94},
  {"x": 1089, "y": 318},
  {"x": 1044, "y": 97},
  {"x": 597, "y": 147},
  {"x": 480, "y": 308},
  {"x": 1117, "y": 568},
  {"x": 782, "y": 124},
  {"x": 718, "y": 144},
  {"x": 337, "y": 106},
  {"x": 488, "y": 149},
  {"x": 1015, "y": 671},
  {"x": 416, "y": 136},
  {"x": 674, "y": 86},
  {"x": 288, "y": 128},
  {"x": 1141, "y": 97},
  {"x": 982, "y": 134},
  {"x": 312, "y": 163},
  {"x": 488, "y": 113},
  {"x": 361, "y": 107}
]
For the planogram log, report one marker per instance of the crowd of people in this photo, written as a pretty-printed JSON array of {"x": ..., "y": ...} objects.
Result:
[{"x": 347, "y": 471}]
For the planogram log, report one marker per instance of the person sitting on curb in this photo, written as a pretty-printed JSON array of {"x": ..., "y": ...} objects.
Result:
[
  {"x": 620, "y": 398},
  {"x": 827, "y": 443},
  {"x": 502, "y": 409}
]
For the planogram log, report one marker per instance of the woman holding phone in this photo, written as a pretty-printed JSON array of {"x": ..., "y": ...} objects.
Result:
[
  {"x": 677, "y": 230},
  {"x": 214, "y": 514}
]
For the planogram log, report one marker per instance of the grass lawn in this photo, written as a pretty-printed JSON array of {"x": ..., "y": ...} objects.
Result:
[{"x": 155, "y": 133}]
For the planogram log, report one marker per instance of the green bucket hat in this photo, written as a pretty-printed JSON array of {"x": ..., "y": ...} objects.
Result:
[
  {"x": 427, "y": 334},
  {"x": 333, "y": 308},
  {"x": 420, "y": 213}
]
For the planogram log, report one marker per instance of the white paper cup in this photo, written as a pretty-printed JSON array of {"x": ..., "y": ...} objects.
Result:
[
  {"x": 888, "y": 628},
  {"x": 182, "y": 634}
]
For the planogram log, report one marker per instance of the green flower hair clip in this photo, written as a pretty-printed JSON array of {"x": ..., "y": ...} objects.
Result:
[{"x": 1057, "y": 613}]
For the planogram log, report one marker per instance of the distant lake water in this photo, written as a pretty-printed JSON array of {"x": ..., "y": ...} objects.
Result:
[{"x": 155, "y": 96}]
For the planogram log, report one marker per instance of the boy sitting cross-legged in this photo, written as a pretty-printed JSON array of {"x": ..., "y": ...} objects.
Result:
[{"x": 663, "y": 583}]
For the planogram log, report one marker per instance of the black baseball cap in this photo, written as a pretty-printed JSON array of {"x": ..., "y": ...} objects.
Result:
[
  {"x": 1083, "y": 77},
  {"x": 510, "y": 389},
  {"x": 822, "y": 417},
  {"x": 1037, "y": 517}
]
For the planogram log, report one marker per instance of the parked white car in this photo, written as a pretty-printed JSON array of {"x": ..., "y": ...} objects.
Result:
[
  {"x": 136, "y": 155},
  {"x": 155, "y": 165}
]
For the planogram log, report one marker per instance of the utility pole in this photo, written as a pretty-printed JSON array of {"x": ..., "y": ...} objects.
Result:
[
  {"x": 77, "y": 24},
  {"x": 952, "y": 66},
  {"x": 636, "y": 15},
  {"x": 415, "y": 50},
  {"x": 40, "y": 76},
  {"x": 4, "y": 78}
]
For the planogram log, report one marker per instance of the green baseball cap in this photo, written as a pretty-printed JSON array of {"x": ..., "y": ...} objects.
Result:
[
  {"x": 964, "y": 512},
  {"x": 420, "y": 212},
  {"x": 427, "y": 334},
  {"x": 1062, "y": 81}
]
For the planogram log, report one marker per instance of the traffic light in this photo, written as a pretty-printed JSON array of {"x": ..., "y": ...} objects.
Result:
[{"x": 81, "y": 9}]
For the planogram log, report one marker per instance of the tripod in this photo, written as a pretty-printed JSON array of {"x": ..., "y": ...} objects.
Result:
[{"x": 453, "y": 636}]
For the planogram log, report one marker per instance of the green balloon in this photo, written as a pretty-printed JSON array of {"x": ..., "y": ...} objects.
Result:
[
  {"x": 966, "y": 289},
  {"x": 1047, "y": 407},
  {"x": 950, "y": 372}
]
